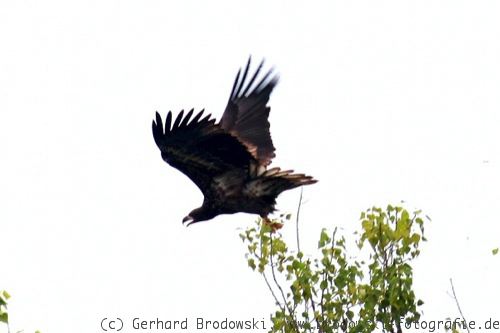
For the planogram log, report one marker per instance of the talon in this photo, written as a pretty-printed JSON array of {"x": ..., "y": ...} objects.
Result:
[{"x": 275, "y": 226}]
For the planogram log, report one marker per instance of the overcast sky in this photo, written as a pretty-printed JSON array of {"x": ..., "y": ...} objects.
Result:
[{"x": 381, "y": 101}]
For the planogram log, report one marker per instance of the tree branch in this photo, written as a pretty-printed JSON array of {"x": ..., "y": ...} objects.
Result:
[
  {"x": 297, "y": 219},
  {"x": 458, "y": 306},
  {"x": 277, "y": 284},
  {"x": 272, "y": 292}
]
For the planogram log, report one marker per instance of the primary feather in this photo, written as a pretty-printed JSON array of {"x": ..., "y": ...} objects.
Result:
[{"x": 246, "y": 114}]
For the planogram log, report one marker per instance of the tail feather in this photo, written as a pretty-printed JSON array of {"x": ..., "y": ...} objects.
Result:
[{"x": 274, "y": 181}]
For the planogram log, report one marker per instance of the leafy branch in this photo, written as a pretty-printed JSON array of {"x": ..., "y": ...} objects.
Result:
[
  {"x": 337, "y": 292},
  {"x": 4, "y": 315}
]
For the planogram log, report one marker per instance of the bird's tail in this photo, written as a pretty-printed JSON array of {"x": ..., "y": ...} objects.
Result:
[{"x": 274, "y": 181}]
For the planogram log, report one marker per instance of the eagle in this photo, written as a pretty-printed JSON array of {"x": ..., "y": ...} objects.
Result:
[{"x": 229, "y": 160}]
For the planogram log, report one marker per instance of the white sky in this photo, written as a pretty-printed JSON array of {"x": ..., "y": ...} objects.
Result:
[{"x": 382, "y": 101}]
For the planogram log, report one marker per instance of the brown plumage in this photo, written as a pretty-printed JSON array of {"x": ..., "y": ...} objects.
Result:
[{"x": 228, "y": 160}]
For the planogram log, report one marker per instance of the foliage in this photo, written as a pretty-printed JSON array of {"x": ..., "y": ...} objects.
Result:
[
  {"x": 4, "y": 315},
  {"x": 336, "y": 292}
]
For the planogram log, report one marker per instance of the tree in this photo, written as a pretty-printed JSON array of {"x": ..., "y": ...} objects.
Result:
[{"x": 338, "y": 292}]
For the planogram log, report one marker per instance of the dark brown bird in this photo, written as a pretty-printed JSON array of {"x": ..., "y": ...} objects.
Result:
[{"x": 228, "y": 160}]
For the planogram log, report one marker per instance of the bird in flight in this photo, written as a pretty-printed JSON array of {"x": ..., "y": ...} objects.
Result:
[{"x": 228, "y": 160}]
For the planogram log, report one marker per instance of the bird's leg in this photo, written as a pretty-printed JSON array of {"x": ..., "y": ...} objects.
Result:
[{"x": 275, "y": 226}]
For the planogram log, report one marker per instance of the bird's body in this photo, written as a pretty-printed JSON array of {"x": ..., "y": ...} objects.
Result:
[{"x": 228, "y": 160}]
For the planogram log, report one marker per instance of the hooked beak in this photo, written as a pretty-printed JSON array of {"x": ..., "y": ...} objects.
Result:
[{"x": 187, "y": 219}]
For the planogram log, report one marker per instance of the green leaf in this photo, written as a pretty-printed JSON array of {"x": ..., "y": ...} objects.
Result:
[
  {"x": 251, "y": 264},
  {"x": 367, "y": 225},
  {"x": 6, "y": 295},
  {"x": 279, "y": 246},
  {"x": 323, "y": 285},
  {"x": 323, "y": 239},
  {"x": 415, "y": 238},
  {"x": 350, "y": 315},
  {"x": 495, "y": 251}
]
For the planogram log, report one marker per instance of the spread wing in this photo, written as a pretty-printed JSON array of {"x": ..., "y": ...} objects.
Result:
[
  {"x": 246, "y": 114},
  {"x": 199, "y": 148}
]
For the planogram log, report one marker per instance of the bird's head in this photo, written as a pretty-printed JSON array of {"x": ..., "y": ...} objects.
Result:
[{"x": 198, "y": 215}]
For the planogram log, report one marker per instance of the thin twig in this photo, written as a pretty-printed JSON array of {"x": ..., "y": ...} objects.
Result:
[
  {"x": 320, "y": 327},
  {"x": 297, "y": 219},
  {"x": 458, "y": 305},
  {"x": 272, "y": 292},
  {"x": 276, "y": 281},
  {"x": 282, "y": 308},
  {"x": 273, "y": 272}
]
